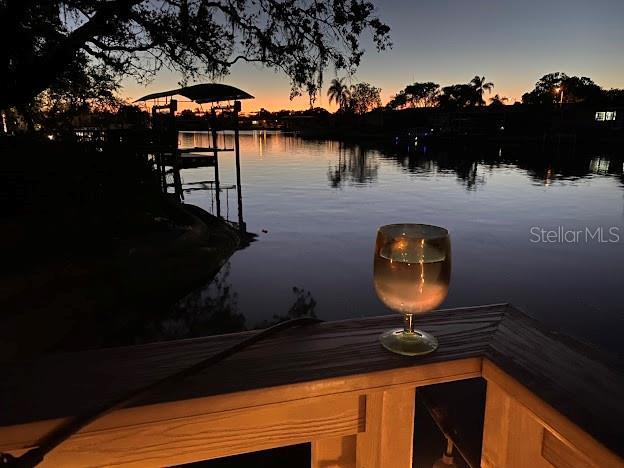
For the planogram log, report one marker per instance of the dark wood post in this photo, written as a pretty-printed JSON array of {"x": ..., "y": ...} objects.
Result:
[
  {"x": 176, "y": 156},
  {"x": 213, "y": 128},
  {"x": 241, "y": 223}
]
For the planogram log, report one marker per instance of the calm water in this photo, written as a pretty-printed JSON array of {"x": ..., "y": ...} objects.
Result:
[{"x": 320, "y": 204}]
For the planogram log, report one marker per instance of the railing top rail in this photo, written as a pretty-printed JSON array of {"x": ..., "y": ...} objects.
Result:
[{"x": 576, "y": 380}]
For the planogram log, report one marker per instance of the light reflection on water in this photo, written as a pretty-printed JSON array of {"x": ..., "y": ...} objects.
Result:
[{"x": 322, "y": 201}]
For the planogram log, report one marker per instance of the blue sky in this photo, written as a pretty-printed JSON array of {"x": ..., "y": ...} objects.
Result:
[{"x": 512, "y": 43}]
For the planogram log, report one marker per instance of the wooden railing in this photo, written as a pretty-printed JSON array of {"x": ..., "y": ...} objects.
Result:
[{"x": 550, "y": 401}]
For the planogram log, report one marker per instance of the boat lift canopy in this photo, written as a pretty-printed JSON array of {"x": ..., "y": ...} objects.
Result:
[
  {"x": 203, "y": 93},
  {"x": 178, "y": 158}
]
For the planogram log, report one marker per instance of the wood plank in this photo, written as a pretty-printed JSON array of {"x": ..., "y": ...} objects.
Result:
[
  {"x": 495, "y": 428},
  {"x": 549, "y": 418},
  {"x": 77, "y": 382},
  {"x": 512, "y": 438},
  {"x": 177, "y": 441},
  {"x": 579, "y": 382},
  {"x": 389, "y": 436},
  {"x": 561, "y": 455},
  {"x": 301, "y": 354},
  {"x": 335, "y": 452},
  {"x": 25, "y": 435},
  {"x": 296, "y": 355}
]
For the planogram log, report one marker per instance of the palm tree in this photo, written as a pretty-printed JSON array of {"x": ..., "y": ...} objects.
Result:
[
  {"x": 480, "y": 85},
  {"x": 338, "y": 91}
]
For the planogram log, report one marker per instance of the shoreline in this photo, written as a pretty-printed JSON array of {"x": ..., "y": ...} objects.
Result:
[
  {"x": 407, "y": 136},
  {"x": 98, "y": 301}
]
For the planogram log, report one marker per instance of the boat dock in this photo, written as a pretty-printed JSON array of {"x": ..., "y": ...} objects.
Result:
[{"x": 169, "y": 157}]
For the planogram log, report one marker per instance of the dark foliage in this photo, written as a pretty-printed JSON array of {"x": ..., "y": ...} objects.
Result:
[
  {"x": 44, "y": 41},
  {"x": 364, "y": 97},
  {"x": 459, "y": 96},
  {"x": 416, "y": 95},
  {"x": 555, "y": 88}
]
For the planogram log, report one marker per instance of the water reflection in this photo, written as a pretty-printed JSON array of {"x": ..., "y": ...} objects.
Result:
[
  {"x": 359, "y": 163},
  {"x": 268, "y": 141},
  {"x": 468, "y": 175},
  {"x": 599, "y": 165},
  {"x": 214, "y": 310},
  {"x": 471, "y": 164},
  {"x": 489, "y": 196},
  {"x": 208, "y": 311},
  {"x": 570, "y": 169},
  {"x": 203, "y": 139},
  {"x": 355, "y": 165},
  {"x": 304, "y": 306}
]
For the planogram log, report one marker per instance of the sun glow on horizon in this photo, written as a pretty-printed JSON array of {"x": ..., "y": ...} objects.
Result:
[{"x": 278, "y": 99}]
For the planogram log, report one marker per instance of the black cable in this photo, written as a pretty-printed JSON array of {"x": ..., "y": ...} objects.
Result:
[{"x": 59, "y": 435}]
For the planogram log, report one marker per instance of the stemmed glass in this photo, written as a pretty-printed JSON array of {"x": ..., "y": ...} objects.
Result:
[{"x": 412, "y": 273}]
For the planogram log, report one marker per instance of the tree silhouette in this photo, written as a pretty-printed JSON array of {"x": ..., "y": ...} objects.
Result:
[
  {"x": 398, "y": 101},
  {"x": 43, "y": 40},
  {"x": 614, "y": 97},
  {"x": 364, "y": 97},
  {"x": 544, "y": 91},
  {"x": 553, "y": 87},
  {"x": 339, "y": 92},
  {"x": 458, "y": 96},
  {"x": 422, "y": 94},
  {"x": 498, "y": 101},
  {"x": 480, "y": 85},
  {"x": 416, "y": 95}
]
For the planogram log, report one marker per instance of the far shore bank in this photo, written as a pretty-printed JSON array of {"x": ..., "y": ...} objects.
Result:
[
  {"x": 516, "y": 124},
  {"x": 416, "y": 142}
]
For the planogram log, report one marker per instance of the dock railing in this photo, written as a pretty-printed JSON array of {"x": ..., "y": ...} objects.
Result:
[{"x": 550, "y": 400}]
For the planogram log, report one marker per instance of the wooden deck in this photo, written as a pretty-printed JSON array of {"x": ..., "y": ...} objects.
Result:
[{"x": 550, "y": 401}]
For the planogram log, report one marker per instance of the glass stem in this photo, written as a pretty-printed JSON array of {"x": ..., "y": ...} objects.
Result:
[{"x": 408, "y": 323}]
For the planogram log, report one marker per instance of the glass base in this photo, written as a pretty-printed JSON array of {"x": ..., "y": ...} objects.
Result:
[{"x": 408, "y": 344}]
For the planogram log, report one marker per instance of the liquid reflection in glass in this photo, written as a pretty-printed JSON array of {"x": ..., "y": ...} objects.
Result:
[{"x": 412, "y": 272}]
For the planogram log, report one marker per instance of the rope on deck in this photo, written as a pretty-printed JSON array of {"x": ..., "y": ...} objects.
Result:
[{"x": 59, "y": 435}]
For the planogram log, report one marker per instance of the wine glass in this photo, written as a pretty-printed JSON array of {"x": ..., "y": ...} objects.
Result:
[{"x": 411, "y": 274}]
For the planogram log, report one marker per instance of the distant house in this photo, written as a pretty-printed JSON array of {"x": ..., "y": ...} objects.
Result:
[
  {"x": 605, "y": 116},
  {"x": 609, "y": 118}
]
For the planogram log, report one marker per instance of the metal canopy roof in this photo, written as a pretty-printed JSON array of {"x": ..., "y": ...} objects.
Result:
[{"x": 202, "y": 93}]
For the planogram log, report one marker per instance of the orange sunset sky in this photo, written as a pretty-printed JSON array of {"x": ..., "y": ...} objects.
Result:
[{"x": 511, "y": 43}]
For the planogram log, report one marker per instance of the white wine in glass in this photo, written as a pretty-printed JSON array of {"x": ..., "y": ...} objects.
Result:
[{"x": 412, "y": 273}]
